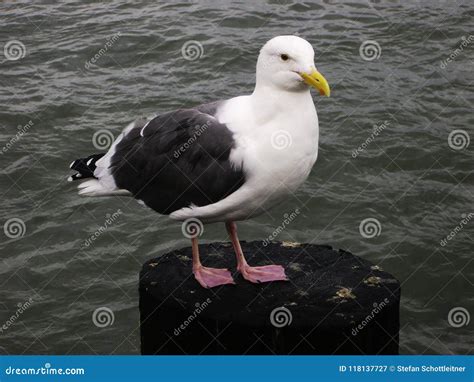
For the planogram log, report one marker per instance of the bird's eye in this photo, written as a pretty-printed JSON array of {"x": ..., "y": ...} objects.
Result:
[{"x": 284, "y": 57}]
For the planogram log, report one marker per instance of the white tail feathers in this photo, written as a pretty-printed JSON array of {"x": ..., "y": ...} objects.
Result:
[
  {"x": 93, "y": 187},
  {"x": 98, "y": 167}
]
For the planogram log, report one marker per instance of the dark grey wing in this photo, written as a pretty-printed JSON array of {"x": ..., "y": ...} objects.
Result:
[{"x": 177, "y": 159}]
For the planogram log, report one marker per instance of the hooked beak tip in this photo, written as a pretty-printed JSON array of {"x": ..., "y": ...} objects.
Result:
[{"x": 317, "y": 80}]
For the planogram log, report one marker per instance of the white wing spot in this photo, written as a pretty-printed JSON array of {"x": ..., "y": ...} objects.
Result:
[
  {"x": 143, "y": 128},
  {"x": 89, "y": 162}
]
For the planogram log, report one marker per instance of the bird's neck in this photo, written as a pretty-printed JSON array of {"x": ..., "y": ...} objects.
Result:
[{"x": 268, "y": 101}]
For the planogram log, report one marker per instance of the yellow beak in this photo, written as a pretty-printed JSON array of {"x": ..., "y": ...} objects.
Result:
[{"x": 317, "y": 80}]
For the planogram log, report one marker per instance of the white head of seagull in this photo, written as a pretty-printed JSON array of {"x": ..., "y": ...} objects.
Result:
[{"x": 287, "y": 63}]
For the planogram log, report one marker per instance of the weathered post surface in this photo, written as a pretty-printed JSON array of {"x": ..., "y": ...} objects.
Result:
[{"x": 334, "y": 303}]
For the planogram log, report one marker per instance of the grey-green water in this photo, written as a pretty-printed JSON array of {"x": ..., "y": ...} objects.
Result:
[{"x": 409, "y": 178}]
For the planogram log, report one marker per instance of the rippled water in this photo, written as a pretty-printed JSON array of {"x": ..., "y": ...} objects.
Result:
[{"x": 408, "y": 177}]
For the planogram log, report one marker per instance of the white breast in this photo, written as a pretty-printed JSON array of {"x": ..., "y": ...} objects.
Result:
[
  {"x": 275, "y": 146},
  {"x": 277, "y": 149}
]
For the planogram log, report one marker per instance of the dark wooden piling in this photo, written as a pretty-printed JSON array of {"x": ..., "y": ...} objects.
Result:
[{"x": 334, "y": 303}]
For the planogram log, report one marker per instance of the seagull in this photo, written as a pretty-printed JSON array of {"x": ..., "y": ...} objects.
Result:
[{"x": 224, "y": 161}]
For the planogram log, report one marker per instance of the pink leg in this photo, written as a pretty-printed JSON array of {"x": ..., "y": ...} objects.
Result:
[
  {"x": 260, "y": 274},
  {"x": 208, "y": 277}
]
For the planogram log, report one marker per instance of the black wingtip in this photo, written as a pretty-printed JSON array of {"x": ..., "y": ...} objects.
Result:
[{"x": 85, "y": 167}]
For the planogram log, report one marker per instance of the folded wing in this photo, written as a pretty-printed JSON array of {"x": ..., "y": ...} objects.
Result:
[{"x": 177, "y": 159}]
